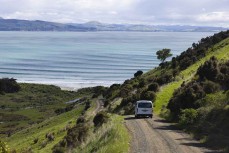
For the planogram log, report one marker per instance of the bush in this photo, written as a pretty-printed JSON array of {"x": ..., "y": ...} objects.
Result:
[
  {"x": 148, "y": 95},
  {"x": 100, "y": 118},
  {"x": 98, "y": 90},
  {"x": 80, "y": 120},
  {"x": 9, "y": 85},
  {"x": 76, "y": 135},
  {"x": 188, "y": 117},
  {"x": 125, "y": 90},
  {"x": 87, "y": 105},
  {"x": 138, "y": 73},
  {"x": 209, "y": 70},
  {"x": 142, "y": 83},
  {"x": 153, "y": 87},
  {"x": 50, "y": 136},
  {"x": 58, "y": 149},
  {"x": 210, "y": 87},
  {"x": 44, "y": 143},
  {"x": 186, "y": 97},
  {"x": 165, "y": 78},
  {"x": 35, "y": 140}
]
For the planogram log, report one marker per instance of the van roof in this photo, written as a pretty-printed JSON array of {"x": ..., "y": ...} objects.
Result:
[{"x": 144, "y": 101}]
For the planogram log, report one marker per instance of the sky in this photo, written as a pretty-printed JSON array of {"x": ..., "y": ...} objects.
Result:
[{"x": 153, "y": 12}]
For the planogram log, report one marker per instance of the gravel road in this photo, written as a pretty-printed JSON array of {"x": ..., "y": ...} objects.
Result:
[{"x": 158, "y": 136}]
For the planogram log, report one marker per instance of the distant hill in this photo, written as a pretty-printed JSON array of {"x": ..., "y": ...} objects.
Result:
[
  {"x": 26, "y": 25},
  {"x": 37, "y": 25}
]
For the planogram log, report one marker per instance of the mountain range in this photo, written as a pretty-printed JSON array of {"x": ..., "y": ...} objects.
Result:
[{"x": 38, "y": 25}]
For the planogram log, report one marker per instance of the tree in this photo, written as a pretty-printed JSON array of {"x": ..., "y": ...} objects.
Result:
[{"x": 163, "y": 54}]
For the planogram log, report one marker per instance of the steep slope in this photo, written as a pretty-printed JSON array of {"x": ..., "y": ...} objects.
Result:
[
  {"x": 186, "y": 89},
  {"x": 221, "y": 51},
  {"x": 168, "y": 76}
]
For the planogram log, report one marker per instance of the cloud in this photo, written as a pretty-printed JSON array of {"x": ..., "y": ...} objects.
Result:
[
  {"x": 195, "y": 12},
  {"x": 214, "y": 17}
]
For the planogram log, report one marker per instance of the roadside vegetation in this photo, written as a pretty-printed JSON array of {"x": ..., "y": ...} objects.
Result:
[
  {"x": 110, "y": 137},
  {"x": 201, "y": 106},
  {"x": 44, "y": 118}
]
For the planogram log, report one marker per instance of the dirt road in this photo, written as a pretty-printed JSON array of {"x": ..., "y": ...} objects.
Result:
[
  {"x": 157, "y": 136},
  {"x": 99, "y": 106}
]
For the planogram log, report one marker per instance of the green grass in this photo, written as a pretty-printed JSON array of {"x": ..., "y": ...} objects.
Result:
[
  {"x": 24, "y": 139},
  {"x": 116, "y": 102},
  {"x": 112, "y": 137},
  {"x": 32, "y": 104},
  {"x": 163, "y": 96}
]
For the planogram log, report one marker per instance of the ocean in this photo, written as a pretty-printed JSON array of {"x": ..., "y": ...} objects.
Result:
[{"x": 73, "y": 60}]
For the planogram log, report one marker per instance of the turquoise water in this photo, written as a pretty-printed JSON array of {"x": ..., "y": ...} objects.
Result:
[{"x": 81, "y": 59}]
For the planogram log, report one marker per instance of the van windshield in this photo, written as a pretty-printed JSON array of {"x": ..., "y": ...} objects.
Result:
[{"x": 144, "y": 105}]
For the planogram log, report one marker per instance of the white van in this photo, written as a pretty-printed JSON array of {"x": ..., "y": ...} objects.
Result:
[{"x": 144, "y": 108}]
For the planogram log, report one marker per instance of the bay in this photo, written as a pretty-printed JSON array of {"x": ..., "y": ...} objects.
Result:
[{"x": 80, "y": 59}]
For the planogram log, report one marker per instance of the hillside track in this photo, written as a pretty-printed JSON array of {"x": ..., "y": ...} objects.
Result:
[
  {"x": 158, "y": 136},
  {"x": 99, "y": 106}
]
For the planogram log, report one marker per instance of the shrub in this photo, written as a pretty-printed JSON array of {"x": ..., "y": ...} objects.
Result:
[
  {"x": 153, "y": 87},
  {"x": 209, "y": 70},
  {"x": 188, "y": 117},
  {"x": 138, "y": 73},
  {"x": 142, "y": 83},
  {"x": 186, "y": 97},
  {"x": 59, "y": 149},
  {"x": 210, "y": 87},
  {"x": 80, "y": 120},
  {"x": 35, "y": 140},
  {"x": 9, "y": 85},
  {"x": 87, "y": 105},
  {"x": 125, "y": 101},
  {"x": 50, "y": 136},
  {"x": 148, "y": 95},
  {"x": 165, "y": 78},
  {"x": 185, "y": 62},
  {"x": 125, "y": 90},
  {"x": 76, "y": 135},
  {"x": 100, "y": 118},
  {"x": 98, "y": 90},
  {"x": 44, "y": 143}
]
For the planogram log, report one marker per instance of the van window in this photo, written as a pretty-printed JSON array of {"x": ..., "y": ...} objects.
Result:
[{"x": 144, "y": 105}]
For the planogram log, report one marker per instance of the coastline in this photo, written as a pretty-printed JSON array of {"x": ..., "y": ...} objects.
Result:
[{"x": 71, "y": 86}]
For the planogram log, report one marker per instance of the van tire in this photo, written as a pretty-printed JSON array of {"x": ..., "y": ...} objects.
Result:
[{"x": 136, "y": 116}]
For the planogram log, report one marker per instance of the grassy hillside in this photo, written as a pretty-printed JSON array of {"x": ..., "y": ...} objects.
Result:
[
  {"x": 37, "y": 116},
  {"x": 34, "y": 137},
  {"x": 168, "y": 76},
  {"x": 58, "y": 130},
  {"x": 221, "y": 52},
  {"x": 32, "y": 104}
]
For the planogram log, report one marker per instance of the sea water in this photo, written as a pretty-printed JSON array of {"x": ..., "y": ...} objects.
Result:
[{"x": 80, "y": 59}]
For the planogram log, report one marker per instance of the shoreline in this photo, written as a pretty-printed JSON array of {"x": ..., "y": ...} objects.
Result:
[{"x": 68, "y": 86}]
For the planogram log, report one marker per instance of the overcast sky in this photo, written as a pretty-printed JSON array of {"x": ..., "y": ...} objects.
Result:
[{"x": 184, "y": 12}]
